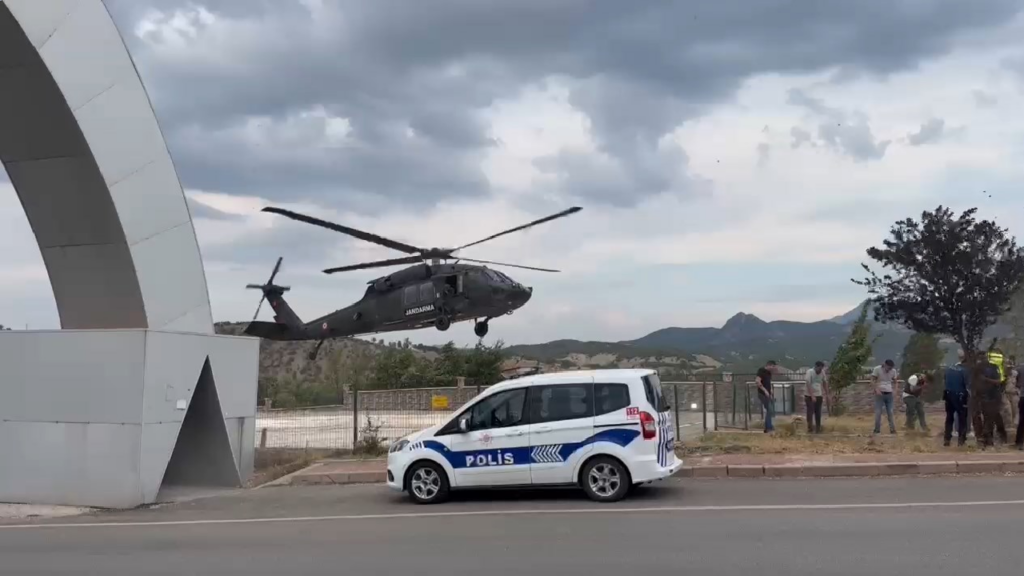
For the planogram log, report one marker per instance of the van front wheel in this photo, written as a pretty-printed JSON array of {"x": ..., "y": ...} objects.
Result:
[
  {"x": 428, "y": 483},
  {"x": 606, "y": 479}
]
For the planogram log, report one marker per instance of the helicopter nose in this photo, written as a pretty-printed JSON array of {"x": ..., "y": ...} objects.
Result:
[{"x": 522, "y": 295}]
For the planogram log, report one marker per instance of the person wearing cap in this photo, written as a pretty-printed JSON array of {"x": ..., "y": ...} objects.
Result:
[
  {"x": 814, "y": 395},
  {"x": 884, "y": 378}
]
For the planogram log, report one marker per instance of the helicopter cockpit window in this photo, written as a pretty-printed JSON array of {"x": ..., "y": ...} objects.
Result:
[{"x": 493, "y": 276}]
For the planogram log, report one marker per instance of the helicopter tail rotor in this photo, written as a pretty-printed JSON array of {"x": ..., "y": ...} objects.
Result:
[{"x": 268, "y": 287}]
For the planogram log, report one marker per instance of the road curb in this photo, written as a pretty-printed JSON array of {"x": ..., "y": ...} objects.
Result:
[
  {"x": 859, "y": 470},
  {"x": 314, "y": 479}
]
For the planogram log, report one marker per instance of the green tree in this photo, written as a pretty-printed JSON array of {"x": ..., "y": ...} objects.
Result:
[
  {"x": 848, "y": 364},
  {"x": 947, "y": 275},
  {"x": 483, "y": 363},
  {"x": 922, "y": 355},
  {"x": 1013, "y": 342},
  {"x": 396, "y": 367},
  {"x": 349, "y": 368},
  {"x": 450, "y": 364}
]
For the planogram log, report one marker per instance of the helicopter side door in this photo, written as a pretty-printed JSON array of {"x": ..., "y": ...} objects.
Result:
[{"x": 418, "y": 300}]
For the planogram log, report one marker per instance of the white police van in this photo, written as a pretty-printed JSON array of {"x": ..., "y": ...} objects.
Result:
[{"x": 603, "y": 430}]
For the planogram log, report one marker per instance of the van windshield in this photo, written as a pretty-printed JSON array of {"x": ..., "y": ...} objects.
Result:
[{"x": 652, "y": 388}]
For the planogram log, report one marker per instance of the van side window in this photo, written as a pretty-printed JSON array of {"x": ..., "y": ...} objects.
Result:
[
  {"x": 609, "y": 398},
  {"x": 498, "y": 411},
  {"x": 555, "y": 402}
]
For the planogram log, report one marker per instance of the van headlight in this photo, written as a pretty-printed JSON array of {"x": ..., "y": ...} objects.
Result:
[{"x": 399, "y": 446}]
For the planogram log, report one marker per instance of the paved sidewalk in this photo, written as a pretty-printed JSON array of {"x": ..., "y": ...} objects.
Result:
[{"x": 735, "y": 465}]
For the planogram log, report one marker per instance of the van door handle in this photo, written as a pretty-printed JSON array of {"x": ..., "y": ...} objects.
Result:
[
  {"x": 543, "y": 428},
  {"x": 517, "y": 433}
]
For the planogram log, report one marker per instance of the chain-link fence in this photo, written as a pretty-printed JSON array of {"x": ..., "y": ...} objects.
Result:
[
  {"x": 385, "y": 414},
  {"x": 720, "y": 401},
  {"x": 392, "y": 414}
]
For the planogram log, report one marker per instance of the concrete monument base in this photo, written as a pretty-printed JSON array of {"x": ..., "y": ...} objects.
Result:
[{"x": 108, "y": 418}]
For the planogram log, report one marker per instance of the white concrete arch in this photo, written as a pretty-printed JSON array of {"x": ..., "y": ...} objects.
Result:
[
  {"x": 83, "y": 148},
  {"x": 136, "y": 395}
]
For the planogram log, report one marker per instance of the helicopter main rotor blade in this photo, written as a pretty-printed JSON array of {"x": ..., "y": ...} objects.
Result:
[
  {"x": 561, "y": 214},
  {"x": 507, "y": 264},
  {"x": 376, "y": 264},
  {"x": 379, "y": 240}
]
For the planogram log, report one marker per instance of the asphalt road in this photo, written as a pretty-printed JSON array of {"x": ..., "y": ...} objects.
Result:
[{"x": 927, "y": 526}]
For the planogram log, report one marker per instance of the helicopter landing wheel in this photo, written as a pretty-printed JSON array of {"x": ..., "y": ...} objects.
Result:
[
  {"x": 443, "y": 322},
  {"x": 480, "y": 328}
]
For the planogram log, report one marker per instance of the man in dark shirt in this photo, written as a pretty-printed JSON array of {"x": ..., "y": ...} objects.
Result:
[
  {"x": 766, "y": 393},
  {"x": 989, "y": 391},
  {"x": 955, "y": 396}
]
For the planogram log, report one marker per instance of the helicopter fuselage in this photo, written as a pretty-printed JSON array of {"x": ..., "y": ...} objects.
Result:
[
  {"x": 431, "y": 291},
  {"x": 416, "y": 297}
]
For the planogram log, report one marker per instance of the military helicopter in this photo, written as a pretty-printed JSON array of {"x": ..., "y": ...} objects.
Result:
[{"x": 433, "y": 292}]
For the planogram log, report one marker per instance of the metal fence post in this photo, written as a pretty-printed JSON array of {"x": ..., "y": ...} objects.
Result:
[
  {"x": 355, "y": 418},
  {"x": 714, "y": 400},
  {"x": 704, "y": 404},
  {"x": 746, "y": 412}
]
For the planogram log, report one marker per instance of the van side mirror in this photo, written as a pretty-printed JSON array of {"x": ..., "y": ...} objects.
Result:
[{"x": 464, "y": 424}]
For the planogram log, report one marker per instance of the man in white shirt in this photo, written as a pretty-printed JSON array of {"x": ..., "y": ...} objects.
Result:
[
  {"x": 814, "y": 391},
  {"x": 884, "y": 378}
]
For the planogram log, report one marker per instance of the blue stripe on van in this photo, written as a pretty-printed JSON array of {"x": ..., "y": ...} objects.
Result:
[{"x": 525, "y": 455}]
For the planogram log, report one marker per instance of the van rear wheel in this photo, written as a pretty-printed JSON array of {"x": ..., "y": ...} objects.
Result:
[{"x": 606, "y": 480}]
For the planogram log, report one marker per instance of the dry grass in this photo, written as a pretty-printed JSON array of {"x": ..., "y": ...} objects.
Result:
[
  {"x": 840, "y": 435},
  {"x": 273, "y": 463}
]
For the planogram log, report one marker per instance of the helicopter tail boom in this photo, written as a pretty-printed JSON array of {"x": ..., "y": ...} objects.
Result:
[{"x": 274, "y": 331}]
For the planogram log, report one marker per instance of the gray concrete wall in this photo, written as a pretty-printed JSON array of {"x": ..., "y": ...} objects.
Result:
[{"x": 92, "y": 418}]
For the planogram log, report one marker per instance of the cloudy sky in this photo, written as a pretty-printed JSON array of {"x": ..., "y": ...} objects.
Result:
[{"x": 730, "y": 156}]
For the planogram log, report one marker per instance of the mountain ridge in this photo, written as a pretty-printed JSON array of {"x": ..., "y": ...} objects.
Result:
[{"x": 743, "y": 343}]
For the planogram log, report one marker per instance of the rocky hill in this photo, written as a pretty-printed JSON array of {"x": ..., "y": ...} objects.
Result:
[
  {"x": 741, "y": 345},
  {"x": 290, "y": 359}
]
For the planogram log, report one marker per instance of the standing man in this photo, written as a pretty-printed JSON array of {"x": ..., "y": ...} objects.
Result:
[
  {"x": 814, "y": 392},
  {"x": 883, "y": 378},
  {"x": 955, "y": 397},
  {"x": 990, "y": 398},
  {"x": 766, "y": 393}
]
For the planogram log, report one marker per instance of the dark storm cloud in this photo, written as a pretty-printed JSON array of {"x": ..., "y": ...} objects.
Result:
[{"x": 637, "y": 70}]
